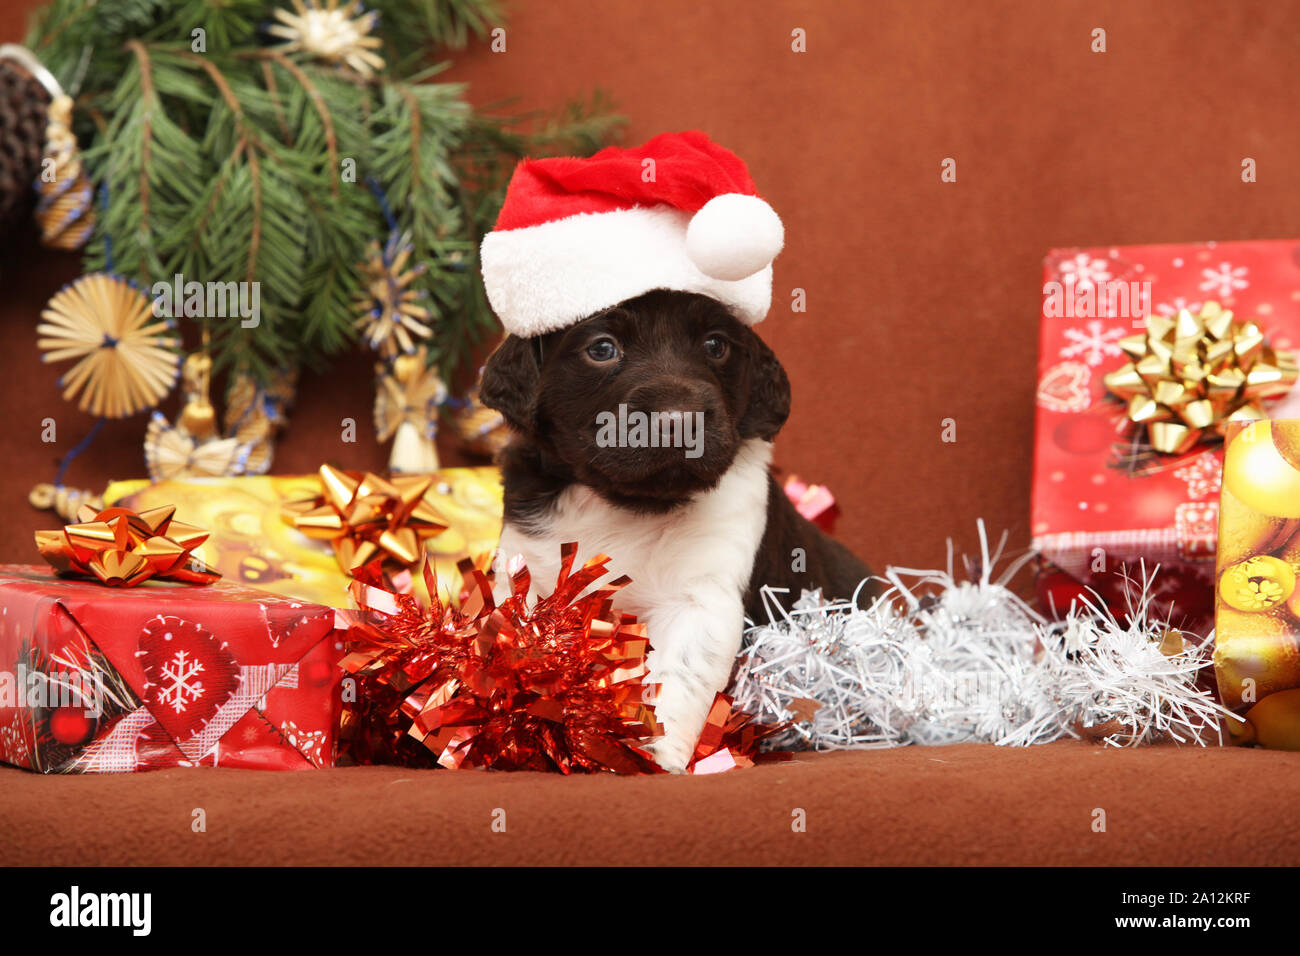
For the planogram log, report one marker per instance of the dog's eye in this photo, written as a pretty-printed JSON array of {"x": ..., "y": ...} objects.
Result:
[
  {"x": 716, "y": 347},
  {"x": 603, "y": 350}
]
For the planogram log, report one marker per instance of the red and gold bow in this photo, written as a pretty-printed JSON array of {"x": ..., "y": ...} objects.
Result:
[
  {"x": 365, "y": 516},
  {"x": 120, "y": 548},
  {"x": 1190, "y": 374}
]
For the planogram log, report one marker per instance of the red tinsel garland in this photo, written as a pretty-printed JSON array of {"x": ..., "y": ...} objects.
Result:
[
  {"x": 731, "y": 739},
  {"x": 555, "y": 687},
  {"x": 559, "y": 686}
]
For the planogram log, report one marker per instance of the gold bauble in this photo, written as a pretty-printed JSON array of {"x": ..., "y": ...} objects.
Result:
[
  {"x": 1286, "y": 438},
  {"x": 1244, "y": 532},
  {"x": 1274, "y": 722},
  {"x": 1257, "y": 474},
  {"x": 1257, "y": 647},
  {"x": 1257, "y": 584}
]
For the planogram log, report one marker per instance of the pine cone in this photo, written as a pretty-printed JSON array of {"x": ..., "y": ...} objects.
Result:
[{"x": 23, "y": 105}]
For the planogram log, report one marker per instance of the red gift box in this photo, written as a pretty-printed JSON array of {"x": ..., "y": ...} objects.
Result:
[
  {"x": 96, "y": 679},
  {"x": 1102, "y": 504}
]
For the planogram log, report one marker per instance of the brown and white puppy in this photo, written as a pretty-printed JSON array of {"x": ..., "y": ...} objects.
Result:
[{"x": 699, "y": 524}]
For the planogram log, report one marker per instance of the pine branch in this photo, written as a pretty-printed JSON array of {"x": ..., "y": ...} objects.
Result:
[
  {"x": 228, "y": 165},
  {"x": 226, "y": 24},
  {"x": 318, "y": 101}
]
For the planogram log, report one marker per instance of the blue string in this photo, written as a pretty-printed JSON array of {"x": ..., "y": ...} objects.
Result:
[
  {"x": 82, "y": 446},
  {"x": 378, "y": 190},
  {"x": 108, "y": 240}
]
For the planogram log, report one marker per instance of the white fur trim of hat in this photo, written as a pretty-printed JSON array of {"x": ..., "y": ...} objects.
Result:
[{"x": 578, "y": 236}]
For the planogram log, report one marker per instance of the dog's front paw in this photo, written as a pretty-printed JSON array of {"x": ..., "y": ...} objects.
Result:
[{"x": 673, "y": 755}]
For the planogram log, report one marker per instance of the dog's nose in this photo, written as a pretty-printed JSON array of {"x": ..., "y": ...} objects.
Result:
[{"x": 673, "y": 395}]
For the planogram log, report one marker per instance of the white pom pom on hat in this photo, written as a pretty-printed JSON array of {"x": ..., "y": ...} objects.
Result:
[
  {"x": 576, "y": 236},
  {"x": 733, "y": 236}
]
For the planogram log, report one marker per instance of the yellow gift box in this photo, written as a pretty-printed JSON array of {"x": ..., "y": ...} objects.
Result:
[
  {"x": 251, "y": 543},
  {"x": 1257, "y": 604}
]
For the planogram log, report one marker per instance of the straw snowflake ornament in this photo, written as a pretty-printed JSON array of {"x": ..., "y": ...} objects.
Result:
[
  {"x": 126, "y": 356},
  {"x": 393, "y": 318},
  {"x": 331, "y": 31}
]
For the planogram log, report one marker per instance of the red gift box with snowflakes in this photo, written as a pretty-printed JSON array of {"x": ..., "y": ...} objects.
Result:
[
  {"x": 1103, "y": 503},
  {"x": 96, "y": 679}
]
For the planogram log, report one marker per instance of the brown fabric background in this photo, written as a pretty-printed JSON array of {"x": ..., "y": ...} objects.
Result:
[
  {"x": 922, "y": 305},
  {"x": 951, "y": 805}
]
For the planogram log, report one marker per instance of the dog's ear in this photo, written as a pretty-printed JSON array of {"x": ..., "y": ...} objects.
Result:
[
  {"x": 769, "y": 393},
  {"x": 511, "y": 381}
]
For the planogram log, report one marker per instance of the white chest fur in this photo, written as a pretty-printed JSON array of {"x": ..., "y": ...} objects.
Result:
[{"x": 689, "y": 569}]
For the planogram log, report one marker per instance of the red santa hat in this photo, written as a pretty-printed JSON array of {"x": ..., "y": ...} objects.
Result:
[{"x": 576, "y": 236}]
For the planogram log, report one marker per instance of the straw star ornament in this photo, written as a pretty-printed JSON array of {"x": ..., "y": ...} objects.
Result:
[
  {"x": 331, "y": 31},
  {"x": 392, "y": 317},
  {"x": 126, "y": 356}
]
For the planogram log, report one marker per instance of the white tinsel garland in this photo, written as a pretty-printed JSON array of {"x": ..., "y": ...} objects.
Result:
[{"x": 937, "y": 661}]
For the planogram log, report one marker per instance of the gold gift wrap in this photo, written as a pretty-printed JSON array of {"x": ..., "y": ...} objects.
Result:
[
  {"x": 1257, "y": 603},
  {"x": 252, "y": 544}
]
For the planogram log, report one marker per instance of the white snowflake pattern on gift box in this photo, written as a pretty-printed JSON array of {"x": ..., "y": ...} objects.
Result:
[
  {"x": 1093, "y": 343},
  {"x": 1226, "y": 280},
  {"x": 1083, "y": 270},
  {"x": 1196, "y": 524},
  {"x": 184, "y": 685}
]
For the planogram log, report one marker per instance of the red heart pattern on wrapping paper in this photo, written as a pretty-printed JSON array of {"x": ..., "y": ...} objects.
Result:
[
  {"x": 189, "y": 674},
  {"x": 1064, "y": 387}
]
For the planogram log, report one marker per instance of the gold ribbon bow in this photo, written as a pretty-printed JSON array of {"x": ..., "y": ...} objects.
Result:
[
  {"x": 364, "y": 515},
  {"x": 1189, "y": 375},
  {"x": 121, "y": 548}
]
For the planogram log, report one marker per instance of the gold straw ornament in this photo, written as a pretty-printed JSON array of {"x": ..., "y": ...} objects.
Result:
[
  {"x": 392, "y": 319},
  {"x": 65, "y": 210},
  {"x": 126, "y": 355},
  {"x": 408, "y": 397},
  {"x": 331, "y": 31}
]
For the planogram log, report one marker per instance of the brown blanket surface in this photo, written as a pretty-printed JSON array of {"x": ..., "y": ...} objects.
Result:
[{"x": 949, "y": 805}]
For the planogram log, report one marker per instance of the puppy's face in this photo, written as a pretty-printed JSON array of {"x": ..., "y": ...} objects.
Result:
[{"x": 646, "y": 402}]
